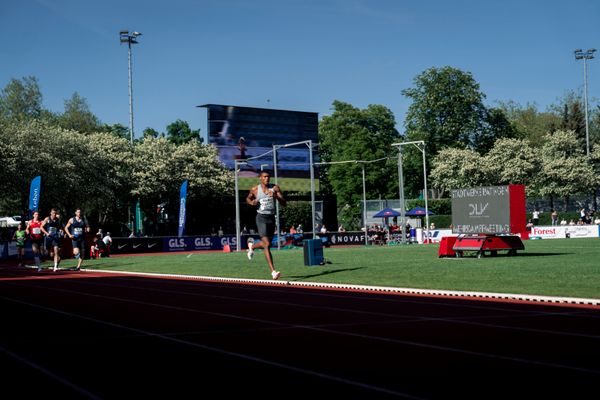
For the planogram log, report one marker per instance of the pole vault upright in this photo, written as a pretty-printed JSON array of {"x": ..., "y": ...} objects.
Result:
[{"x": 237, "y": 163}]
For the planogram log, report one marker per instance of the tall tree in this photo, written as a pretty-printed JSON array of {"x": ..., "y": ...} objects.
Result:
[
  {"x": 529, "y": 123},
  {"x": 21, "y": 99},
  {"x": 447, "y": 109},
  {"x": 566, "y": 170},
  {"x": 350, "y": 133},
  {"x": 179, "y": 132},
  {"x": 78, "y": 117}
]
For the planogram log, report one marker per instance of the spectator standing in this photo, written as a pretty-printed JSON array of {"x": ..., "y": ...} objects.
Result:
[
  {"x": 107, "y": 243},
  {"x": 535, "y": 217},
  {"x": 554, "y": 216}
]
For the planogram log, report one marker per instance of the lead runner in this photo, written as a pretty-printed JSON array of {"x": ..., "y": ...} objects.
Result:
[{"x": 264, "y": 196}]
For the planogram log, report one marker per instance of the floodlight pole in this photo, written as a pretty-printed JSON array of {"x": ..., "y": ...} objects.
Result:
[
  {"x": 364, "y": 204},
  {"x": 585, "y": 55},
  {"x": 130, "y": 39},
  {"x": 419, "y": 144}
]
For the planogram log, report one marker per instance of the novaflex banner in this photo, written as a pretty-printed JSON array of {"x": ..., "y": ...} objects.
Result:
[
  {"x": 34, "y": 193},
  {"x": 194, "y": 243},
  {"x": 182, "y": 200}
]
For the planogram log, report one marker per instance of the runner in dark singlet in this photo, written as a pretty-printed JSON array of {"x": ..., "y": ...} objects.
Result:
[
  {"x": 75, "y": 229},
  {"x": 51, "y": 228}
]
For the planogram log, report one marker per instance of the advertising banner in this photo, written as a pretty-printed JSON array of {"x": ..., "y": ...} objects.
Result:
[
  {"x": 182, "y": 201},
  {"x": 346, "y": 238},
  {"x": 561, "y": 232},
  {"x": 34, "y": 194}
]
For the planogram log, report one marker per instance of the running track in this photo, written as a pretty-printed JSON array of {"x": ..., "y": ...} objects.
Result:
[{"x": 89, "y": 335}]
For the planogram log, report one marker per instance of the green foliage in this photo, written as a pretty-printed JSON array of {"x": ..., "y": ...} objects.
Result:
[
  {"x": 294, "y": 213},
  {"x": 436, "y": 206},
  {"x": 529, "y": 123},
  {"x": 354, "y": 134},
  {"x": 78, "y": 117},
  {"x": 447, "y": 109},
  {"x": 179, "y": 132},
  {"x": 456, "y": 168},
  {"x": 565, "y": 169},
  {"x": 21, "y": 100}
]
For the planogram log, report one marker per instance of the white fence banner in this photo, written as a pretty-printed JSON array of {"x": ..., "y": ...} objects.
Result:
[{"x": 561, "y": 232}]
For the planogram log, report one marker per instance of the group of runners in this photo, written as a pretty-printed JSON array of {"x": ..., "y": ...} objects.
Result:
[{"x": 46, "y": 235}]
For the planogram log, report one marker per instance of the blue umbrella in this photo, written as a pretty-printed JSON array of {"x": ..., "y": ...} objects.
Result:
[
  {"x": 387, "y": 212},
  {"x": 417, "y": 211}
]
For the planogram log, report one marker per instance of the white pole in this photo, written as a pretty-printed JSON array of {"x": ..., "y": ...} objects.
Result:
[
  {"x": 275, "y": 147},
  {"x": 587, "y": 136},
  {"x": 237, "y": 209},
  {"x": 312, "y": 185},
  {"x": 364, "y": 205},
  {"x": 401, "y": 190},
  {"x": 426, "y": 230},
  {"x": 130, "y": 94}
]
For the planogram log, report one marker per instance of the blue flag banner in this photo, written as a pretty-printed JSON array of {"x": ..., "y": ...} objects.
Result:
[
  {"x": 182, "y": 200},
  {"x": 34, "y": 194}
]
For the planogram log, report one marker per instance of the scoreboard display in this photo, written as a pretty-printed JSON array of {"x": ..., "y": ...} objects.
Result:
[{"x": 489, "y": 210}]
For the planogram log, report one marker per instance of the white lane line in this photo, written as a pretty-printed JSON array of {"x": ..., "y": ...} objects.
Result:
[
  {"x": 369, "y": 337},
  {"x": 217, "y": 350},
  {"x": 48, "y": 373},
  {"x": 471, "y": 295},
  {"x": 402, "y": 318}
]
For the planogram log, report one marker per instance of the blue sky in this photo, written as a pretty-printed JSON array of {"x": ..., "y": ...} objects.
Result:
[{"x": 291, "y": 54}]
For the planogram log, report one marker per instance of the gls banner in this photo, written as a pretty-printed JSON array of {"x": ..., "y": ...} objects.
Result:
[{"x": 198, "y": 243}]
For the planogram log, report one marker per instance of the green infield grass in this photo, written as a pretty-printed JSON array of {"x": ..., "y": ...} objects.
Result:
[{"x": 558, "y": 267}]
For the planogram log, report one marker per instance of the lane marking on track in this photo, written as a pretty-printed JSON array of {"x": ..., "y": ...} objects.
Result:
[
  {"x": 399, "y": 318},
  {"x": 521, "y": 298},
  {"x": 330, "y": 331},
  {"x": 216, "y": 349},
  {"x": 48, "y": 373}
]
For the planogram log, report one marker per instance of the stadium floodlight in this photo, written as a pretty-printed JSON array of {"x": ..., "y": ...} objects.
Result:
[
  {"x": 585, "y": 55},
  {"x": 125, "y": 37},
  {"x": 419, "y": 144}
]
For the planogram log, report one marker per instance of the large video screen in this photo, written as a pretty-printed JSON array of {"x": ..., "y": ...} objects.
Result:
[
  {"x": 246, "y": 132},
  {"x": 481, "y": 210}
]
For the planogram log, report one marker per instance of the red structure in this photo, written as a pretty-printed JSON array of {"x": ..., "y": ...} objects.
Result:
[{"x": 487, "y": 219}]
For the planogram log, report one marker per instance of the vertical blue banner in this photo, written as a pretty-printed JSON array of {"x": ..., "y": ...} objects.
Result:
[
  {"x": 34, "y": 194},
  {"x": 182, "y": 200}
]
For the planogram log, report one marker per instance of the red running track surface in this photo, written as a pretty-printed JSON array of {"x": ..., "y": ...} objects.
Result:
[{"x": 89, "y": 335}]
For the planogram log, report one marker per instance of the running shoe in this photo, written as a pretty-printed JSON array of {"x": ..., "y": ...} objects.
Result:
[
  {"x": 250, "y": 251},
  {"x": 275, "y": 275}
]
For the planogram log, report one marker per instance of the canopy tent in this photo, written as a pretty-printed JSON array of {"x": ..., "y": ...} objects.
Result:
[
  {"x": 417, "y": 212},
  {"x": 387, "y": 212}
]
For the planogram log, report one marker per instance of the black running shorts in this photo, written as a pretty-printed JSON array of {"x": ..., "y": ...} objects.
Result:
[{"x": 265, "y": 223}]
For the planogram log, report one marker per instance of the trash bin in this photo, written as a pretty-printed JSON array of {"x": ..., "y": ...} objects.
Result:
[{"x": 313, "y": 252}]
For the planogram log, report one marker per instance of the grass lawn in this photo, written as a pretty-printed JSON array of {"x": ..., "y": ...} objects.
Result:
[{"x": 558, "y": 267}]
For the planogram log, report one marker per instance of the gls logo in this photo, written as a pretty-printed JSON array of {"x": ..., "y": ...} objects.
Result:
[
  {"x": 202, "y": 242},
  {"x": 176, "y": 243},
  {"x": 478, "y": 209},
  {"x": 229, "y": 241}
]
